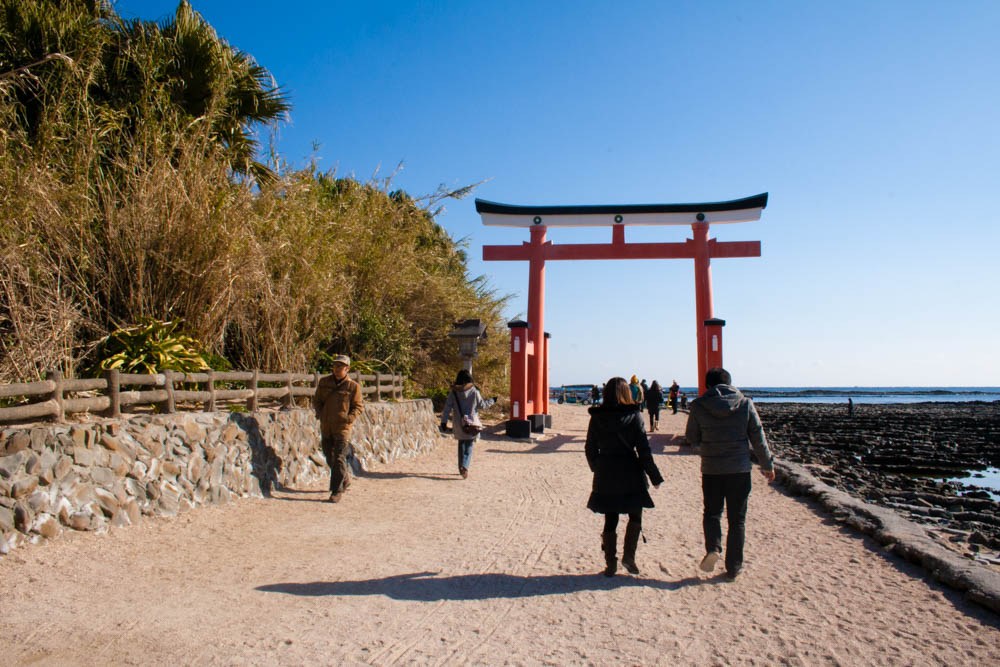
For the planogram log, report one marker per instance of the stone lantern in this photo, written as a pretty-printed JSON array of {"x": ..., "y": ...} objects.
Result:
[{"x": 468, "y": 333}]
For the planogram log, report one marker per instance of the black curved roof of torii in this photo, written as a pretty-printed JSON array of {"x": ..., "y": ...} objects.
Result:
[{"x": 756, "y": 201}]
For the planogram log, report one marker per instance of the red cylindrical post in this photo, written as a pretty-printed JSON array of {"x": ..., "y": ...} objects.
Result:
[
  {"x": 536, "y": 319},
  {"x": 703, "y": 295}
]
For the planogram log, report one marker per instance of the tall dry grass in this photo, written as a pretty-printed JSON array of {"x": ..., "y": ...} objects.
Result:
[
  {"x": 116, "y": 208},
  {"x": 268, "y": 279}
]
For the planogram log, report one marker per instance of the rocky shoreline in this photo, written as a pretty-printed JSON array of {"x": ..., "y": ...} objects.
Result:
[{"x": 897, "y": 456}]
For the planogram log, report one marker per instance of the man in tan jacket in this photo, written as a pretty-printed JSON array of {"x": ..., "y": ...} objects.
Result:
[{"x": 337, "y": 403}]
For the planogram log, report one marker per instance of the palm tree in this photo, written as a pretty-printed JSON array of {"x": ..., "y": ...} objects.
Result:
[
  {"x": 183, "y": 66},
  {"x": 78, "y": 56}
]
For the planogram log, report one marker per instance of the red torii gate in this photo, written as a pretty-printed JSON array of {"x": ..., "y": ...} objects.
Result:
[{"x": 529, "y": 345}]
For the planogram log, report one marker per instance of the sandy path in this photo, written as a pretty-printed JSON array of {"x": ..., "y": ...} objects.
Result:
[{"x": 416, "y": 566}]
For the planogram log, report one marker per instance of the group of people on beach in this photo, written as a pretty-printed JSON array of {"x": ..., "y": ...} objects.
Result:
[
  {"x": 722, "y": 423},
  {"x": 651, "y": 398}
]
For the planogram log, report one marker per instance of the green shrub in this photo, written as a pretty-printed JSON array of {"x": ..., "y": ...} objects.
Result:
[{"x": 151, "y": 348}]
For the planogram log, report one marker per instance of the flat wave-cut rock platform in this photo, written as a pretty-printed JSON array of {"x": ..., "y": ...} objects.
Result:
[{"x": 897, "y": 456}]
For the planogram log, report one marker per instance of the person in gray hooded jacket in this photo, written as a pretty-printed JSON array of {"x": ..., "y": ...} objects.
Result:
[
  {"x": 464, "y": 400},
  {"x": 724, "y": 424}
]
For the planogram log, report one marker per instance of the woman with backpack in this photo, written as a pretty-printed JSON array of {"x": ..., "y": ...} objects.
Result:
[{"x": 463, "y": 404}]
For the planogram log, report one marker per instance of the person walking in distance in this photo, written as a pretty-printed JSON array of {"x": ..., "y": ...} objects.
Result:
[
  {"x": 672, "y": 395},
  {"x": 653, "y": 399},
  {"x": 464, "y": 403},
  {"x": 337, "y": 403},
  {"x": 725, "y": 425},
  {"x": 637, "y": 396},
  {"x": 618, "y": 454}
]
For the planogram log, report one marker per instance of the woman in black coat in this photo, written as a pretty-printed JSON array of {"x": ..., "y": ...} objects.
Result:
[
  {"x": 654, "y": 397},
  {"x": 618, "y": 455}
]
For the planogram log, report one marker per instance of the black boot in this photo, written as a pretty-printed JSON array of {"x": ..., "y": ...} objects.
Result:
[
  {"x": 609, "y": 542},
  {"x": 632, "y": 532}
]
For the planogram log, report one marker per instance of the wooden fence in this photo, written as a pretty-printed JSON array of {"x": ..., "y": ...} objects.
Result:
[{"x": 169, "y": 391}]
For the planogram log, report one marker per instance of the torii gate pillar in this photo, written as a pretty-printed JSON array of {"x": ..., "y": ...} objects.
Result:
[
  {"x": 702, "y": 295},
  {"x": 539, "y": 361}
]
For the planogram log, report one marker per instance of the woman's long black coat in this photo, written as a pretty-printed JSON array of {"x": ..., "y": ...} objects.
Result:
[{"x": 618, "y": 454}]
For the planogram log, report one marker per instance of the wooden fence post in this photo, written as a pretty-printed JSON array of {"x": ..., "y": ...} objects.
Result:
[
  {"x": 287, "y": 401},
  {"x": 170, "y": 405},
  {"x": 252, "y": 400},
  {"x": 378, "y": 386},
  {"x": 211, "y": 390},
  {"x": 112, "y": 376},
  {"x": 57, "y": 393}
]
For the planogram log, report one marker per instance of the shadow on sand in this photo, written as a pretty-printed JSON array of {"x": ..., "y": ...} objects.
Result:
[
  {"x": 440, "y": 477},
  {"x": 550, "y": 446},
  {"x": 428, "y": 587}
]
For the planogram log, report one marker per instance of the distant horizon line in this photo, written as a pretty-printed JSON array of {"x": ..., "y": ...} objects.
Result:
[{"x": 859, "y": 388}]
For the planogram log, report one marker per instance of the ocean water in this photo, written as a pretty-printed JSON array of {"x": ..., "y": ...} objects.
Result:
[
  {"x": 987, "y": 480},
  {"x": 857, "y": 394}
]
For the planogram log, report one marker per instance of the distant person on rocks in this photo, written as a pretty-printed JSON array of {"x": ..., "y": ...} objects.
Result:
[
  {"x": 684, "y": 401},
  {"x": 337, "y": 403},
  {"x": 653, "y": 399},
  {"x": 637, "y": 396},
  {"x": 618, "y": 454},
  {"x": 674, "y": 389},
  {"x": 850, "y": 407},
  {"x": 464, "y": 401},
  {"x": 725, "y": 424}
]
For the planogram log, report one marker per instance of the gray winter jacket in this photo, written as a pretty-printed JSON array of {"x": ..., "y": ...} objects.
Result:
[
  {"x": 470, "y": 402},
  {"x": 724, "y": 423}
]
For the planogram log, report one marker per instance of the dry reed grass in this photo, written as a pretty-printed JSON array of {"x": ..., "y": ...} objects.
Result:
[{"x": 118, "y": 204}]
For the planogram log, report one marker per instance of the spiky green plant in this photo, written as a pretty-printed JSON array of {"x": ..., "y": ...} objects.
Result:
[{"x": 150, "y": 348}]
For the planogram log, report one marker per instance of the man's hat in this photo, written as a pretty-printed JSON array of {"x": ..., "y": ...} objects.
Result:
[{"x": 342, "y": 359}]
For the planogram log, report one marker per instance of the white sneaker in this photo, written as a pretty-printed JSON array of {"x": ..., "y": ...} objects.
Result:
[{"x": 709, "y": 561}]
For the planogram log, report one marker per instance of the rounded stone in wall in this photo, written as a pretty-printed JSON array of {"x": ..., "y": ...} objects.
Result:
[{"x": 82, "y": 520}]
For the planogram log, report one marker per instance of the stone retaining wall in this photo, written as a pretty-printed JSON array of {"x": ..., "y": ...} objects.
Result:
[{"x": 113, "y": 472}]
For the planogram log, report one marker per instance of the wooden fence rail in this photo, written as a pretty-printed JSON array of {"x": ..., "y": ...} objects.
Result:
[{"x": 55, "y": 397}]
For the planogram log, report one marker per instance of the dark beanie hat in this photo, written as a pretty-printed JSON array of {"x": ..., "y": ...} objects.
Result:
[{"x": 463, "y": 377}]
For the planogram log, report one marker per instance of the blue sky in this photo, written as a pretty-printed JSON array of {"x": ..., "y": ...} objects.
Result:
[{"x": 873, "y": 126}]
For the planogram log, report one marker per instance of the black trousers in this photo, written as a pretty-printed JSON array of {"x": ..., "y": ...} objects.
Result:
[
  {"x": 733, "y": 492},
  {"x": 336, "y": 449}
]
